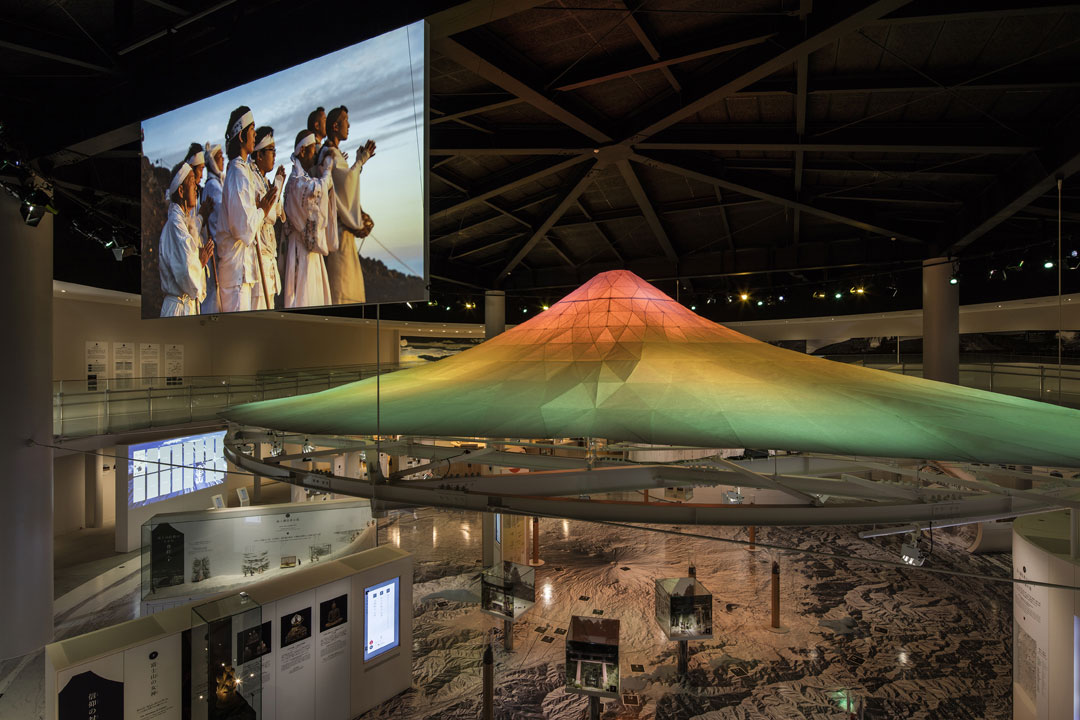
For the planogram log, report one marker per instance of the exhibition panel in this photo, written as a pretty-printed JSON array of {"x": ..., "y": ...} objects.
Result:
[
  {"x": 195, "y": 554},
  {"x": 288, "y": 647}
]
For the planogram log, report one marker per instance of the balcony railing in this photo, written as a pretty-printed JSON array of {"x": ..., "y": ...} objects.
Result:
[{"x": 83, "y": 408}]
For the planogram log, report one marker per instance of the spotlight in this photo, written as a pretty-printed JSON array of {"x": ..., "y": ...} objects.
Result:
[
  {"x": 693, "y": 307},
  {"x": 118, "y": 253},
  {"x": 431, "y": 303},
  {"x": 408, "y": 305},
  {"x": 760, "y": 303},
  {"x": 34, "y": 206},
  {"x": 953, "y": 280},
  {"x": 543, "y": 307},
  {"x": 447, "y": 307},
  {"x": 1049, "y": 264},
  {"x": 781, "y": 298},
  {"x": 838, "y": 295},
  {"x": 744, "y": 296},
  {"x": 857, "y": 290}
]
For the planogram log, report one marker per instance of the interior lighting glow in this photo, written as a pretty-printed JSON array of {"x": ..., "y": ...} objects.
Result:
[
  {"x": 838, "y": 296},
  {"x": 760, "y": 303},
  {"x": 543, "y": 307},
  {"x": 1049, "y": 264},
  {"x": 744, "y": 296},
  {"x": 953, "y": 280}
]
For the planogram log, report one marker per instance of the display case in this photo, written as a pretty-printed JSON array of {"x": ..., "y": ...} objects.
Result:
[
  {"x": 684, "y": 609},
  {"x": 228, "y": 640},
  {"x": 189, "y": 555},
  {"x": 592, "y": 656},
  {"x": 681, "y": 494},
  {"x": 508, "y": 590}
]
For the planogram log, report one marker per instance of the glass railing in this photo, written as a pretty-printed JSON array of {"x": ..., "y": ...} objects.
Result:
[
  {"x": 1035, "y": 379},
  {"x": 82, "y": 408}
]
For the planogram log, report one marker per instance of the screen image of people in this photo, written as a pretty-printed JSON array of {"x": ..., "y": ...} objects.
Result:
[{"x": 304, "y": 188}]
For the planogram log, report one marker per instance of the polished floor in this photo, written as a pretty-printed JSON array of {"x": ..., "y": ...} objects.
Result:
[{"x": 901, "y": 643}]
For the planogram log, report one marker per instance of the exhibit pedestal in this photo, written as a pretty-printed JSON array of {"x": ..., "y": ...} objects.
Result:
[
  {"x": 774, "y": 624},
  {"x": 488, "y": 712},
  {"x": 508, "y": 635},
  {"x": 594, "y": 708},
  {"x": 535, "y": 560},
  {"x": 684, "y": 659}
]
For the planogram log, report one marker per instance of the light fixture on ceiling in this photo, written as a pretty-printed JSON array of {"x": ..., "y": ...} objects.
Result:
[
  {"x": 910, "y": 552},
  {"x": 744, "y": 296}
]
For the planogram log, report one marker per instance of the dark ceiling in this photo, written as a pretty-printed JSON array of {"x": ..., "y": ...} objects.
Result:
[{"x": 771, "y": 147}]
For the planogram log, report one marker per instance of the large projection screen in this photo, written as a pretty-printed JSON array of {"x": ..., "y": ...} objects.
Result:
[{"x": 334, "y": 231}]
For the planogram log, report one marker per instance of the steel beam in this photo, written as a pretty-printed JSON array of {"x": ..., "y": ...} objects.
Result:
[
  {"x": 500, "y": 187},
  {"x": 492, "y": 73},
  {"x": 647, "y": 209},
  {"x": 766, "y": 63},
  {"x": 1014, "y": 191},
  {"x": 584, "y": 180},
  {"x": 664, "y": 65},
  {"x": 647, "y": 43},
  {"x": 772, "y": 197}
]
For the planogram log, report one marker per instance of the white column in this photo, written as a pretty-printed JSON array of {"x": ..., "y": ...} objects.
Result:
[
  {"x": 941, "y": 322},
  {"x": 494, "y": 313},
  {"x": 93, "y": 483},
  {"x": 26, "y": 469}
]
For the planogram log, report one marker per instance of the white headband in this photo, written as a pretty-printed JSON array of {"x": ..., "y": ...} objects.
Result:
[
  {"x": 212, "y": 148},
  {"x": 267, "y": 141},
  {"x": 196, "y": 159},
  {"x": 241, "y": 122},
  {"x": 178, "y": 178},
  {"x": 304, "y": 142}
]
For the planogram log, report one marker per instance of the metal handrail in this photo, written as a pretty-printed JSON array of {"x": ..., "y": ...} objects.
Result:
[
  {"x": 141, "y": 403},
  {"x": 126, "y": 404}
]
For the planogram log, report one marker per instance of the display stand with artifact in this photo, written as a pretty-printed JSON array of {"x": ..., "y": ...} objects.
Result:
[
  {"x": 592, "y": 659},
  {"x": 684, "y": 613},
  {"x": 508, "y": 591},
  {"x": 214, "y": 665}
]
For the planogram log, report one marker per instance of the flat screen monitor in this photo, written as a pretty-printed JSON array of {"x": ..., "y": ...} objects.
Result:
[
  {"x": 168, "y": 468},
  {"x": 346, "y": 221},
  {"x": 381, "y": 621}
]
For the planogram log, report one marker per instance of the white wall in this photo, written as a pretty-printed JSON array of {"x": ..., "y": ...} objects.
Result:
[{"x": 216, "y": 345}]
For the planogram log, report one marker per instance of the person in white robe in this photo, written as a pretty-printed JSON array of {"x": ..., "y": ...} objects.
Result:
[
  {"x": 215, "y": 178},
  {"x": 242, "y": 215},
  {"x": 181, "y": 257},
  {"x": 347, "y": 217},
  {"x": 262, "y": 160},
  {"x": 307, "y": 240}
]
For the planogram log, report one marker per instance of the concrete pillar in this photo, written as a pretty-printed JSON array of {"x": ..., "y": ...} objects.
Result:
[
  {"x": 941, "y": 322},
  {"x": 26, "y": 469},
  {"x": 256, "y": 480},
  {"x": 93, "y": 479},
  {"x": 487, "y": 540},
  {"x": 494, "y": 313},
  {"x": 535, "y": 561}
]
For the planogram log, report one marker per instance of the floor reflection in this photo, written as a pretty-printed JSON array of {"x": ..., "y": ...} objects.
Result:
[{"x": 905, "y": 644}]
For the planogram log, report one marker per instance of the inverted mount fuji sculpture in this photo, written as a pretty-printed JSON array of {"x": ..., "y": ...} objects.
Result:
[{"x": 618, "y": 359}]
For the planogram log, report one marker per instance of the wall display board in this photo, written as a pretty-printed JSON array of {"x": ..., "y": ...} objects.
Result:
[
  {"x": 97, "y": 363},
  {"x": 287, "y": 648},
  {"x": 381, "y": 619},
  {"x": 508, "y": 590},
  {"x": 174, "y": 365},
  {"x": 192, "y": 554},
  {"x": 149, "y": 361},
  {"x": 1031, "y": 631},
  {"x": 514, "y": 538},
  {"x": 123, "y": 364},
  {"x": 377, "y": 253},
  {"x": 684, "y": 609},
  {"x": 592, "y": 656},
  {"x": 177, "y": 466}
]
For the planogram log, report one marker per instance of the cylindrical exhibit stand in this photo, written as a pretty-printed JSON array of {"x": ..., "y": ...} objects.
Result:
[
  {"x": 489, "y": 684},
  {"x": 941, "y": 321},
  {"x": 684, "y": 659},
  {"x": 594, "y": 707},
  {"x": 774, "y": 624},
  {"x": 535, "y": 560},
  {"x": 508, "y": 635},
  {"x": 26, "y": 482}
]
